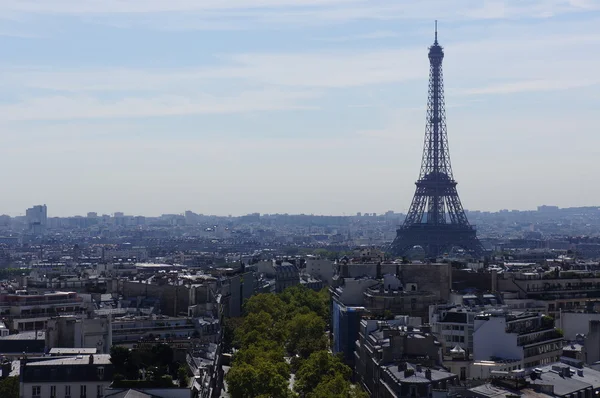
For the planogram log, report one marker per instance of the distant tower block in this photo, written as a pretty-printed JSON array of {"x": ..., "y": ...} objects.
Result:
[{"x": 436, "y": 220}]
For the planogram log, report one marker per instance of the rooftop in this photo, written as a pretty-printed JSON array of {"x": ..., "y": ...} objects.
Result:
[
  {"x": 417, "y": 377},
  {"x": 32, "y": 335},
  {"x": 99, "y": 359},
  {"x": 72, "y": 351}
]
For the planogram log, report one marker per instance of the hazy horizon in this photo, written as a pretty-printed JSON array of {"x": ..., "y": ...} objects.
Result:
[
  {"x": 134, "y": 213},
  {"x": 292, "y": 106}
]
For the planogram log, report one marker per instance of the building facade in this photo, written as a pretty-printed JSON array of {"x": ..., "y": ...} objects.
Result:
[
  {"x": 82, "y": 376},
  {"x": 530, "y": 338}
]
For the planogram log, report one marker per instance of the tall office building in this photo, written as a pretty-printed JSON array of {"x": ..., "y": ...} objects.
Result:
[{"x": 37, "y": 218}]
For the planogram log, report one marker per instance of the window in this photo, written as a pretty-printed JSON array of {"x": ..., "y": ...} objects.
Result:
[
  {"x": 52, "y": 391},
  {"x": 83, "y": 391},
  {"x": 67, "y": 391},
  {"x": 36, "y": 391},
  {"x": 101, "y": 373}
]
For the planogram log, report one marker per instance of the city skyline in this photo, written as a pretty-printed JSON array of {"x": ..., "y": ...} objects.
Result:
[
  {"x": 366, "y": 213},
  {"x": 291, "y": 106}
]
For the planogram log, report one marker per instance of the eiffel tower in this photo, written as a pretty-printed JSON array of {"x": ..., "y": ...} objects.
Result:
[{"x": 436, "y": 220}]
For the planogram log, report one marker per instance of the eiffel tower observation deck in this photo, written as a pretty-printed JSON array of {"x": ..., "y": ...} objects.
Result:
[{"x": 436, "y": 220}]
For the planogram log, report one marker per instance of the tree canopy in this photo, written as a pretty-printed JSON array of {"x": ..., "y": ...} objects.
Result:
[
  {"x": 278, "y": 329},
  {"x": 319, "y": 367},
  {"x": 9, "y": 387}
]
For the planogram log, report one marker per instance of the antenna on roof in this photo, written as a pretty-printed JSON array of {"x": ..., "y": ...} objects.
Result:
[{"x": 436, "y": 31}]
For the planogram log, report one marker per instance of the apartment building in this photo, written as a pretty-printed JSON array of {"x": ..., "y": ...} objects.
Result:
[
  {"x": 81, "y": 376},
  {"x": 529, "y": 338}
]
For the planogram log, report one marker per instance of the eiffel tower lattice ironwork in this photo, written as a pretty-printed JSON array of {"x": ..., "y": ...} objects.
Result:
[{"x": 436, "y": 220}]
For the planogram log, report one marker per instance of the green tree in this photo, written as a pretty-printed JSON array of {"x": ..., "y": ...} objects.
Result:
[
  {"x": 258, "y": 327},
  {"x": 337, "y": 387},
  {"x": 265, "y": 351},
  {"x": 119, "y": 356},
  {"x": 250, "y": 381},
  {"x": 229, "y": 326},
  {"x": 9, "y": 387},
  {"x": 270, "y": 303},
  {"x": 299, "y": 298},
  {"x": 306, "y": 334},
  {"x": 182, "y": 376},
  {"x": 320, "y": 366},
  {"x": 162, "y": 354}
]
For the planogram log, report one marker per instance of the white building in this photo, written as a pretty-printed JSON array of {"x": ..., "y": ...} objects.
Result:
[
  {"x": 3, "y": 330},
  {"x": 321, "y": 268},
  {"x": 81, "y": 376},
  {"x": 526, "y": 337}
]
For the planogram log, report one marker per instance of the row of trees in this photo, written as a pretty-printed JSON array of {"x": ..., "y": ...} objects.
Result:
[
  {"x": 281, "y": 334},
  {"x": 155, "y": 364}
]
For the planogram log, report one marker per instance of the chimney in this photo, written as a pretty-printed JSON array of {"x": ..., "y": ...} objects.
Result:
[
  {"x": 91, "y": 359},
  {"x": 428, "y": 374},
  {"x": 419, "y": 368},
  {"x": 402, "y": 366}
]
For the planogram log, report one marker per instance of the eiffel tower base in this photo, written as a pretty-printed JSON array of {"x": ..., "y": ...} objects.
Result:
[{"x": 436, "y": 240}]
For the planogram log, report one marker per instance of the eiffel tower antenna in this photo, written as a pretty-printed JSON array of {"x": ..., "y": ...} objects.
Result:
[{"x": 436, "y": 220}]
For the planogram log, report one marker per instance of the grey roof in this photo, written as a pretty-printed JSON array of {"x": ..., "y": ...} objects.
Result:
[
  {"x": 418, "y": 377},
  {"x": 41, "y": 335},
  {"x": 131, "y": 393},
  {"x": 488, "y": 390},
  {"x": 568, "y": 385},
  {"x": 573, "y": 347},
  {"x": 99, "y": 359},
  {"x": 73, "y": 351}
]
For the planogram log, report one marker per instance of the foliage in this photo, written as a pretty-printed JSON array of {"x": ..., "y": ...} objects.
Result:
[
  {"x": 263, "y": 352},
  {"x": 162, "y": 354},
  {"x": 291, "y": 323},
  {"x": 319, "y": 367},
  {"x": 299, "y": 297},
  {"x": 266, "y": 302},
  {"x": 306, "y": 334},
  {"x": 157, "y": 360},
  {"x": 9, "y": 387},
  {"x": 336, "y": 387},
  {"x": 182, "y": 376},
  {"x": 259, "y": 327},
  {"x": 261, "y": 378},
  {"x": 120, "y": 356},
  {"x": 229, "y": 327}
]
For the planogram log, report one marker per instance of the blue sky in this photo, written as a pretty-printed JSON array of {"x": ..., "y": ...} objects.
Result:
[{"x": 312, "y": 106}]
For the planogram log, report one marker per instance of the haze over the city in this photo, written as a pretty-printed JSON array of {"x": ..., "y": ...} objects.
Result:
[{"x": 297, "y": 106}]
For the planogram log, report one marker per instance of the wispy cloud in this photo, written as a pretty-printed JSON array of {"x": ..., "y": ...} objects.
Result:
[
  {"x": 150, "y": 6},
  {"x": 257, "y": 14},
  {"x": 380, "y": 34},
  {"x": 530, "y": 85},
  {"x": 85, "y": 107}
]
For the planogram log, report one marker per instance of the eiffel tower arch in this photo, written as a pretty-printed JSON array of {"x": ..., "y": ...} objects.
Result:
[{"x": 436, "y": 220}]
